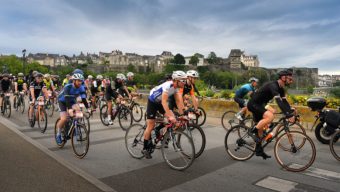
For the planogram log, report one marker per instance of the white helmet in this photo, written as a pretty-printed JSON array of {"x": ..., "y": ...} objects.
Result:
[
  {"x": 121, "y": 76},
  {"x": 78, "y": 76},
  {"x": 47, "y": 75},
  {"x": 130, "y": 74},
  {"x": 192, "y": 73},
  {"x": 90, "y": 77},
  {"x": 179, "y": 75},
  {"x": 253, "y": 79},
  {"x": 99, "y": 77}
]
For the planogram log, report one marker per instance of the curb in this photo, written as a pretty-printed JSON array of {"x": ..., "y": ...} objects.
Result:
[{"x": 96, "y": 182}]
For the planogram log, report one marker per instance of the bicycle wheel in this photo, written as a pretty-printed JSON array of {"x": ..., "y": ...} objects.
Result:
[
  {"x": 50, "y": 108},
  {"x": 42, "y": 120},
  {"x": 198, "y": 138},
  {"x": 134, "y": 140},
  {"x": 239, "y": 144},
  {"x": 103, "y": 115},
  {"x": 137, "y": 112},
  {"x": 294, "y": 127},
  {"x": 294, "y": 159},
  {"x": 179, "y": 155},
  {"x": 63, "y": 134},
  {"x": 7, "y": 108},
  {"x": 80, "y": 140},
  {"x": 31, "y": 119},
  {"x": 202, "y": 117},
  {"x": 22, "y": 104},
  {"x": 334, "y": 145},
  {"x": 125, "y": 118},
  {"x": 229, "y": 120}
]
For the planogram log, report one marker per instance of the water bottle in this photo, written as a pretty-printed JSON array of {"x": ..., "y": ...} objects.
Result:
[{"x": 269, "y": 136}]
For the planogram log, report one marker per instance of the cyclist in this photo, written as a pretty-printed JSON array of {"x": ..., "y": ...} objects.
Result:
[
  {"x": 264, "y": 114},
  {"x": 56, "y": 82},
  {"x": 96, "y": 88},
  {"x": 37, "y": 89},
  {"x": 19, "y": 86},
  {"x": 88, "y": 84},
  {"x": 66, "y": 80},
  {"x": 158, "y": 102},
  {"x": 246, "y": 90},
  {"x": 5, "y": 87},
  {"x": 67, "y": 98},
  {"x": 119, "y": 84},
  {"x": 49, "y": 85},
  {"x": 130, "y": 83}
]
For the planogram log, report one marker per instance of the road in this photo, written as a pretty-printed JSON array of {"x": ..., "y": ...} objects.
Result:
[{"x": 109, "y": 166}]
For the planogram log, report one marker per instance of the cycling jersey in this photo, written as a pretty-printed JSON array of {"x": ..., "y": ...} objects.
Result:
[
  {"x": 156, "y": 92},
  {"x": 20, "y": 84},
  {"x": 48, "y": 83},
  {"x": 244, "y": 90},
  {"x": 267, "y": 92},
  {"x": 37, "y": 88},
  {"x": 70, "y": 93},
  {"x": 5, "y": 85},
  {"x": 56, "y": 84}
]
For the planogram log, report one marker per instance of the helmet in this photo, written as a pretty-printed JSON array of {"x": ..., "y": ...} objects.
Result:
[
  {"x": 253, "y": 79},
  {"x": 90, "y": 77},
  {"x": 78, "y": 71},
  {"x": 47, "y": 75},
  {"x": 179, "y": 75},
  {"x": 99, "y": 77},
  {"x": 120, "y": 76},
  {"x": 77, "y": 76},
  {"x": 130, "y": 74},
  {"x": 34, "y": 73},
  {"x": 285, "y": 73},
  {"x": 192, "y": 73},
  {"x": 20, "y": 74},
  {"x": 5, "y": 75},
  {"x": 38, "y": 74}
]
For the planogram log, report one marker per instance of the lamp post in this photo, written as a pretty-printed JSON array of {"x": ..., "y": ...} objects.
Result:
[{"x": 23, "y": 61}]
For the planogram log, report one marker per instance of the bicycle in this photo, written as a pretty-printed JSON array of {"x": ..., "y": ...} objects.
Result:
[
  {"x": 74, "y": 129},
  {"x": 20, "y": 102},
  {"x": 229, "y": 120},
  {"x": 6, "y": 105},
  {"x": 177, "y": 147},
  {"x": 136, "y": 109},
  {"x": 334, "y": 145},
  {"x": 39, "y": 114},
  {"x": 50, "y": 104},
  {"x": 121, "y": 111},
  {"x": 288, "y": 145}
]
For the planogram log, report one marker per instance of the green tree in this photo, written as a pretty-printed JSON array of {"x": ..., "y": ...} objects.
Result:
[
  {"x": 337, "y": 84},
  {"x": 194, "y": 60},
  {"x": 131, "y": 68},
  {"x": 179, "y": 59},
  {"x": 169, "y": 68},
  {"x": 212, "y": 58},
  {"x": 335, "y": 92}
]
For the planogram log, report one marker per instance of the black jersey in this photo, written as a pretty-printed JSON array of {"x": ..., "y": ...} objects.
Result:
[
  {"x": 20, "y": 84},
  {"x": 267, "y": 92},
  {"x": 37, "y": 88},
  {"x": 5, "y": 85}
]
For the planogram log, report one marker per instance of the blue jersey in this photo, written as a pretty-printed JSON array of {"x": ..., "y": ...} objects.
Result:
[
  {"x": 70, "y": 94},
  {"x": 244, "y": 90}
]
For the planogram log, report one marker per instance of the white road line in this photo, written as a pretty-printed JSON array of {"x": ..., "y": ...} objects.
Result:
[
  {"x": 15, "y": 128},
  {"x": 277, "y": 184},
  {"x": 323, "y": 174}
]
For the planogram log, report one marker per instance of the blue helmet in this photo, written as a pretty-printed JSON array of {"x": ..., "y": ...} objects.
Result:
[{"x": 78, "y": 71}]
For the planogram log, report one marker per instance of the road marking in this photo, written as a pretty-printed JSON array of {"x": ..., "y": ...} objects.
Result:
[
  {"x": 15, "y": 128},
  {"x": 277, "y": 184},
  {"x": 321, "y": 173}
]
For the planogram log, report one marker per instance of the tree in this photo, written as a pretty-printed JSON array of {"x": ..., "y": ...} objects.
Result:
[
  {"x": 179, "y": 59},
  {"x": 212, "y": 58},
  {"x": 194, "y": 60},
  {"x": 131, "y": 68}
]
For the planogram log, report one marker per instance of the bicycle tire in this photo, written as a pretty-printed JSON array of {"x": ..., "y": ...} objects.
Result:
[
  {"x": 50, "y": 108},
  {"x": 200, "y": 119},
  {"x": 124, "y": 115},
  {"x": 334, "y": 145},
  {"x": 134, "y": 140},
  {"x": 31, "y": 120},
  {"x": 289, "y": 166},
  {"x": 243, "y": 139},
  {"x": 42, "y": 126},
  {"x": 228, "y": 120},
  {"x": 8, "y": 108},
  {"x": 139, "y": 110},
  {"x": 80, "y": 134},
  {"x": 188, "y": 153},
  {"x": 22, "y": 104},
  {"x": 300, "y": 129},
  {"x": 198, "y": 149},
  {"x": 103, "y": 115}
]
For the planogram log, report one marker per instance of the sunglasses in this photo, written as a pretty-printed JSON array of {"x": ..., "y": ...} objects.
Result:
[{"x": 182, "y": 80}]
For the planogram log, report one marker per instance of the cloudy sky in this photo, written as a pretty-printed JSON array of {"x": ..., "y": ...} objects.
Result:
[{"x": 302, "y": 33}]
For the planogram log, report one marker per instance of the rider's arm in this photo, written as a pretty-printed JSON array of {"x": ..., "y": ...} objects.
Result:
[
  {"x": 196, "y": 90},
  {"x": 83, "y": 98},
  {"x": 165, "y": 105},
  {"x": 179, "y": 101},
  {"x": 284, "y": 106},
  {"x": 193, "y": 98},
  {"x": 32, "y": 92},
  {"x": 16, "y": 86}
]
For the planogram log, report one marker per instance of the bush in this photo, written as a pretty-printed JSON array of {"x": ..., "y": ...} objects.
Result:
[
  {"x": 209, "y": 93},
  {"x": 335, "y": 92}
]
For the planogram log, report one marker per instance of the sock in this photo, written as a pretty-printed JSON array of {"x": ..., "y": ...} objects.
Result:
[
  {"x": 109, "y": 117},
  {"x": 58, "y": 131},
  {"x": 146, "y": 144}
]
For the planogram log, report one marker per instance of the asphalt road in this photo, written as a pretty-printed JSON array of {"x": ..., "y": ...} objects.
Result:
[{"x": 109, "y": 163}]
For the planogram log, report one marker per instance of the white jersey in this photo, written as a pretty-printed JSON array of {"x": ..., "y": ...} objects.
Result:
[{"x": 156, "y": 92}]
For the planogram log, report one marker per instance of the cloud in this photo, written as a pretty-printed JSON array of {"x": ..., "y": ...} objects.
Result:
[{"x": 283, "y": 33}]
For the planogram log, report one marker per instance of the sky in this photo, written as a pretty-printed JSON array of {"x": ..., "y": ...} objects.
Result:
[{"x": 303, "y": 33}]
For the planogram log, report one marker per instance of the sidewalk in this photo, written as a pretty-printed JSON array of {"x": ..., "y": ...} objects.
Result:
[{"x": 23, "y": 167}]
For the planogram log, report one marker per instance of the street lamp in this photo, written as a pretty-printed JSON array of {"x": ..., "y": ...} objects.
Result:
[{"x": 23, "y": 61}]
